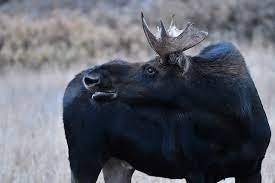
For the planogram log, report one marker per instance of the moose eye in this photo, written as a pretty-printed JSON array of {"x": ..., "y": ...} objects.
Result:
[{"x": 150, "y": 70}]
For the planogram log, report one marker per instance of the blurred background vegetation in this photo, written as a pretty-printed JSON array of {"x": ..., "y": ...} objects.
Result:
[
  {"x": 44, "y": 43},
  {"x": 62, "y": 32}
]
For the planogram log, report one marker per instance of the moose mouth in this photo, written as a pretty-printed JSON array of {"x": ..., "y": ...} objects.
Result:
[{"x": 104, "y": 95}]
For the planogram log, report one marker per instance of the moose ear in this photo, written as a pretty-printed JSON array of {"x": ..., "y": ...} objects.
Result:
[{"x": 179, "y": 59}]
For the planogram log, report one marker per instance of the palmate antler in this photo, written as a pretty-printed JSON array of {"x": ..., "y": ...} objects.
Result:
[{"x": 174, "y": 39}]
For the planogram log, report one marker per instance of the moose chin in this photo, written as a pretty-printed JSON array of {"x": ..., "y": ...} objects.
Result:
[{"x": 175, "y": 116}]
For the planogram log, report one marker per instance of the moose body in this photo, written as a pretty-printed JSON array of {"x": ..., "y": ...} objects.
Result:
[{"x": 200, "y": 119}]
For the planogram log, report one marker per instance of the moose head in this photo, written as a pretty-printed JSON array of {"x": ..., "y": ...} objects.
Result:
[
  {"x": 171, "y": 78},
  {"x": 168, "y": 66}
]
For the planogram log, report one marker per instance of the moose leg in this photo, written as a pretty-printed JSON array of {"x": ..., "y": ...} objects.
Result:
[
  {"x": 193, "y": 179},
  {"x": 256, "y": 178},
  {"x": 200, "y": 178},
  {"x": 196, "y": 178},
  {"x": 85, "y": 168},
  {"x": 85, "y": 176},
  {"x": 117, "y": 171}
]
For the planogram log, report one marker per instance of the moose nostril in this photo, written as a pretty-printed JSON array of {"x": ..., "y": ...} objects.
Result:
[{"x": 90, "y": 80}]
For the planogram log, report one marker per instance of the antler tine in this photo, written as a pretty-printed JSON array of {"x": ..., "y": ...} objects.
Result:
[
  {"x": 188, "y": 28},
  {"x": 190, "y": 36},
  {"x": 163, "y": 32},
  {"x": 149, "y": 35},
  {"x": 173, "y": 22}
]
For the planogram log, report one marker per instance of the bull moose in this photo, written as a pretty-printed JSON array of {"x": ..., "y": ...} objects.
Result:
[{"x": 175, "y": 116}]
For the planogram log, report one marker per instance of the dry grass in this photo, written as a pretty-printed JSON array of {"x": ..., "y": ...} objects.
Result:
[{"x": 33, "y": 147}]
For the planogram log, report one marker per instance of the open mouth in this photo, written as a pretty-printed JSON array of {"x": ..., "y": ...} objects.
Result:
[{"x": 104, "y": 95}]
